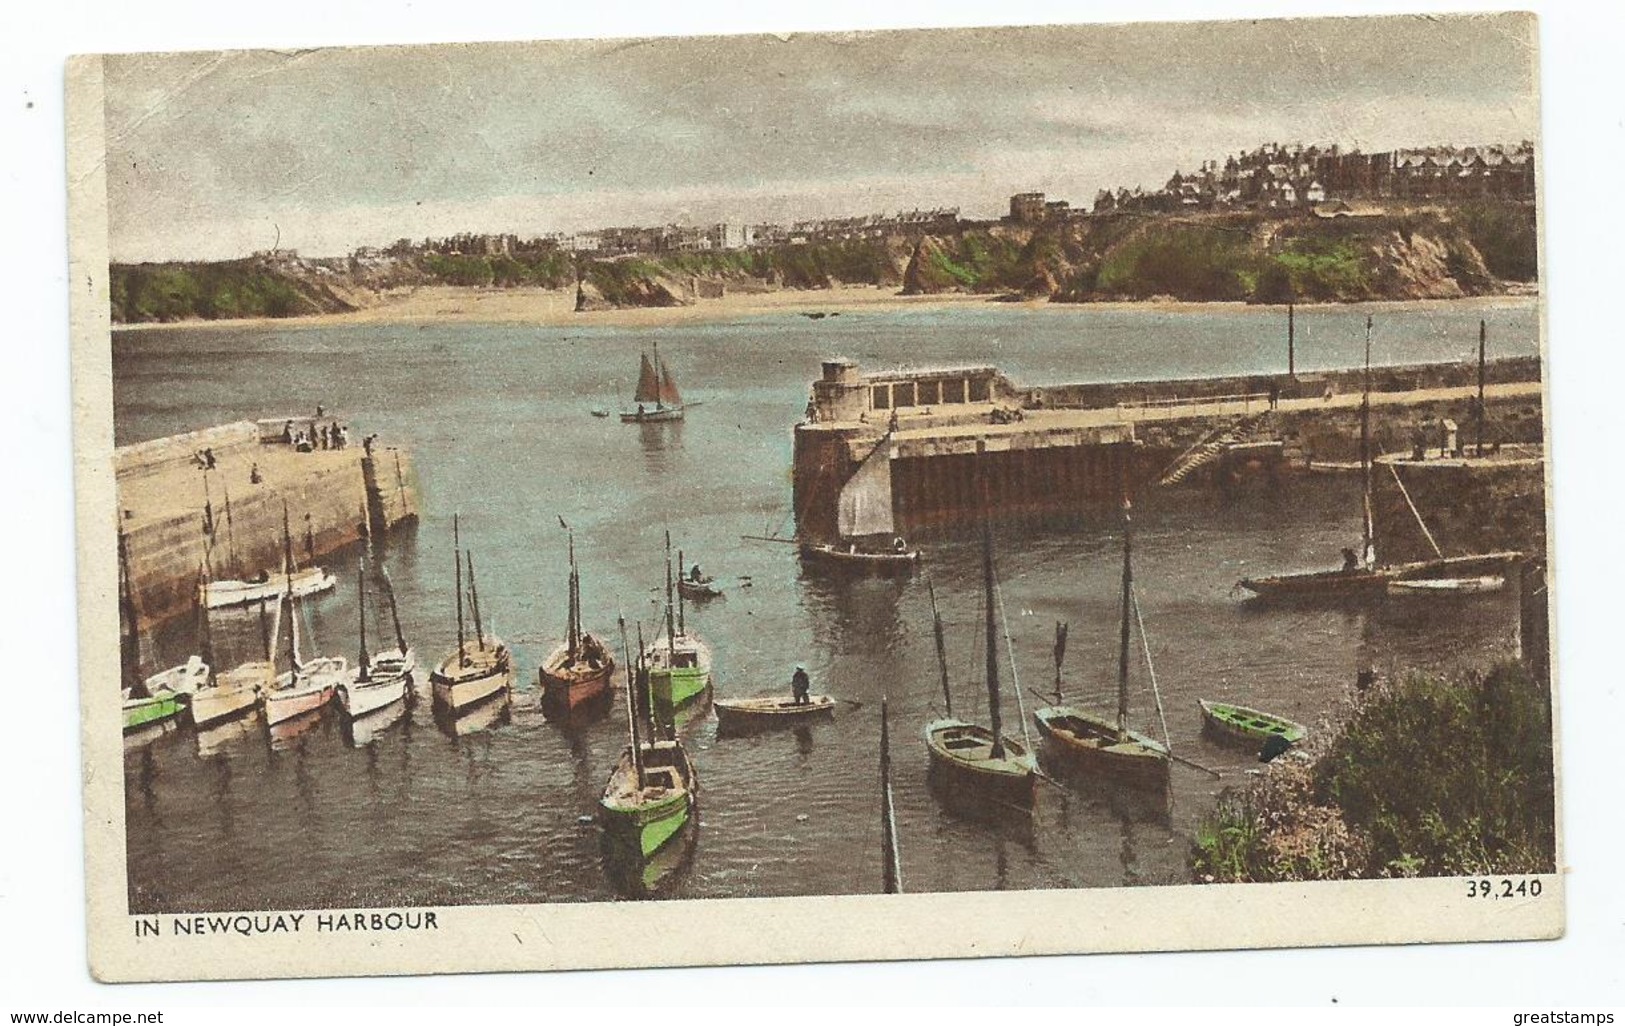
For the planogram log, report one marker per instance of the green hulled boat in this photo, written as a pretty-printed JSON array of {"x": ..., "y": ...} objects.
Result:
[
  {"x": 650, "y": 795},
  {"x": 678, "y": 663},
  {"x": 155, "y": 708},
  {"x": 1239, "y": 723},
  {"x": 642, "y": 811}
]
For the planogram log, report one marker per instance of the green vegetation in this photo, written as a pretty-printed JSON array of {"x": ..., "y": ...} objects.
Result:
[
  {"x": 173, "y": 292},
  {"x": 1231, "y": 257},
  {"x": 1432, "y": 776},
  {"x": 1504, "y": 233}
]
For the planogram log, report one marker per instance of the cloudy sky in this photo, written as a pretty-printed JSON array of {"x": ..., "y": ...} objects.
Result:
[{"x": 215, "y": 155}]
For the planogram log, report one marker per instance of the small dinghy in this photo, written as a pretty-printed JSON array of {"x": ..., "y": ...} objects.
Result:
[
  {"x": 1448, "y": 585},
  {"x": 769, "y": 712},
  {"x": 1250, "y": 726}
]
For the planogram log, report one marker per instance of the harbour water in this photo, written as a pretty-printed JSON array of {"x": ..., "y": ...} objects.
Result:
[{"x": 498, "y": 418}]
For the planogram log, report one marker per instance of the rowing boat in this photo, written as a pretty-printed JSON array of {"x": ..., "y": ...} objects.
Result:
[
  {"x": 1239, "y": 723},
  {"x": 768, "y": 712},
  {"x": 1447, "y": 585}
]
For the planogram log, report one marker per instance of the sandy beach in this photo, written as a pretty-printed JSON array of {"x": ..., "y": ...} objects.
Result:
[{"x": 556, "y": 307}]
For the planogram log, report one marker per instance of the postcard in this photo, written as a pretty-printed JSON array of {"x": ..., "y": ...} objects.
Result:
[{"x": 728, "y": 500}]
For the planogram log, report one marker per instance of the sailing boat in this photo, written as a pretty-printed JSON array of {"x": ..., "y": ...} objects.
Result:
[
  {"x": 401, "y": 661},
  {"x": 236, "y": 592},
  {"x": 656, "y": 398},
  {"x": 1360, "y": 577},
  {"x": 651, "y": 793},
  {"x": 238, "y": 689},
  {"x": 370, "y": 687},
  {"x": 977, "y": 768},
  {"x": 308, "y": 685},
  {"x": 679, "y": 662},
  {"x": 471, "y": 674},
  {"x": 581, "y": 670},
  {"x": 1093, "y": 744},
  {"x": 865, "y": 526},
  {"x": 152, "y": 700}
]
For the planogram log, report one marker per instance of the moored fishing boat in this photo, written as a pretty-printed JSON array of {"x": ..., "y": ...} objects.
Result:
[
  {"x": 236, "y": 691},
  {"x": 368, "y": 688},
  {"x": 152, "y": 700},
  {"x": 769, "y": 712},
  {"x": 1361, "y": 578},
  {"x": 679, "y": 663},
  {"x": 307, "y": 685},
  {"x": 651, "y": 793},
  {"x": 479, "y": 669},
  {"x": 1251, "y": 726},
  {"x": 301, "y": 583},
  {"x": 1091, "y": 744},
  {"x": 579, "y": 672},
  {"x": 977, "y": 768}
]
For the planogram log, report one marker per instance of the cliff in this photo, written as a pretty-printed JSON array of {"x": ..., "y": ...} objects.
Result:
[{"x": 1441, "y": 254}]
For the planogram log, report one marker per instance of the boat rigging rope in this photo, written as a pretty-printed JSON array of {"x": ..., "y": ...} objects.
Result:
[
  {"x": 1015, "y": 677},
  {"x": 1151, "y": 671},
  {"x": 1419, "y": 522}
]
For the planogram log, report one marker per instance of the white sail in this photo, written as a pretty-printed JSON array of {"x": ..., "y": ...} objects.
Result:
[{"x": 865, "y": 505}]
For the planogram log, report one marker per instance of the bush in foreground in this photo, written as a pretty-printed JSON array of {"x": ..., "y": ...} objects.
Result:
[{"x": 1430, "y": 776}]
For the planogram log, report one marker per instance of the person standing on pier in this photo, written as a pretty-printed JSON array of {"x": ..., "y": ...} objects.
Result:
[{"x": 1275, "y": 393}]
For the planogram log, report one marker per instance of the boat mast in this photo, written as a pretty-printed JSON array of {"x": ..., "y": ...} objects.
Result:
[
  {"x": 1480, "y": 445},
  {"x": 363, "y": 664},
  {"x": 680, "y": 628},
  {"x": 942, "y": 648},
  {"x": 287, "y": 593},
  {"x": 265, "y": 631},
  {"x": 632, "y": 706},
  {"x": 204, "y": 638},
  {"x": 231, "y": 537},
  {"x": 892, "y": 869},
  {"x": 1367, "y": 549},
  {"x": 129, "y": 637},
  {"x": 1122, "y": 641},
  {"x": 671, "y": 632},
  {"x": 992, "y": 645},
  {"x": 394, "y": 613},
  {"x": 573, "y": 630},
  {"x": 1060, "y": 655},
  {"x": 457, "y": 569},
  {"x": 474, "y": 600}
]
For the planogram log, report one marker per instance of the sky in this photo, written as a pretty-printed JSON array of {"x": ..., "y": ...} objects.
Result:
[{"x": 216, "y": 155}]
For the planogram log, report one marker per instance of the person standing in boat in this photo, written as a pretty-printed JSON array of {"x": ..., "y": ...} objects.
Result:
[
  {"x": 800, "y": 686},
  {"x": 694, "y": 574},
  {"x": 1351, "y": 561}
]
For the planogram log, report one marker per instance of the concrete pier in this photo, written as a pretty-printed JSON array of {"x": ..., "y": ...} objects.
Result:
[
  {"x": 1057, "y": 451},
  {"x": 177, "y": 515}
]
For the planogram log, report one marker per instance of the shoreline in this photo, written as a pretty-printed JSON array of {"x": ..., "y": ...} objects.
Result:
[{"x": 447, "y": 304}]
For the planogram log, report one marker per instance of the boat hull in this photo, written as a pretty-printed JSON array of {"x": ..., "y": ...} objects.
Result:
[
  {"x": 310, "y": 581},
  {"x": 656, "y": 416},
  {"x": 1088, "y": 745},
  {"x": 1447, "y": 586},
  {"x": 306, "y": 691},
  {"x": 686, "y": 682},
  {"x": 568, "y": 687},
  {"x": 637, "y": 823},
  {"x": 699, "y": 591},
  {"x": 751, "y": 715},
  {"x": 184, "y": 679},
  {"x": 1241, "y": 725},
  {"x": 228, "y": 697},
  {"x": 358, "y": 697},
  {"x": 835, "y": 557},
  {"x": 143, "y": 712},
  {"x": 484, "y": 674},
  {"x": 1363, "y": 584},
  {"x": 969, "y": 779}
]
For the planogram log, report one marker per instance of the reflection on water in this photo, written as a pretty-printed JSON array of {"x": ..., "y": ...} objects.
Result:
[{"x": 489, "y": 808}]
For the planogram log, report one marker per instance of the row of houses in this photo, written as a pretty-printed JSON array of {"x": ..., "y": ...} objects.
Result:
[
  {"x": 1282, "y": 177},
  {"x": 1275, "y": 176},
  {"x": 675, "y": 238}
]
